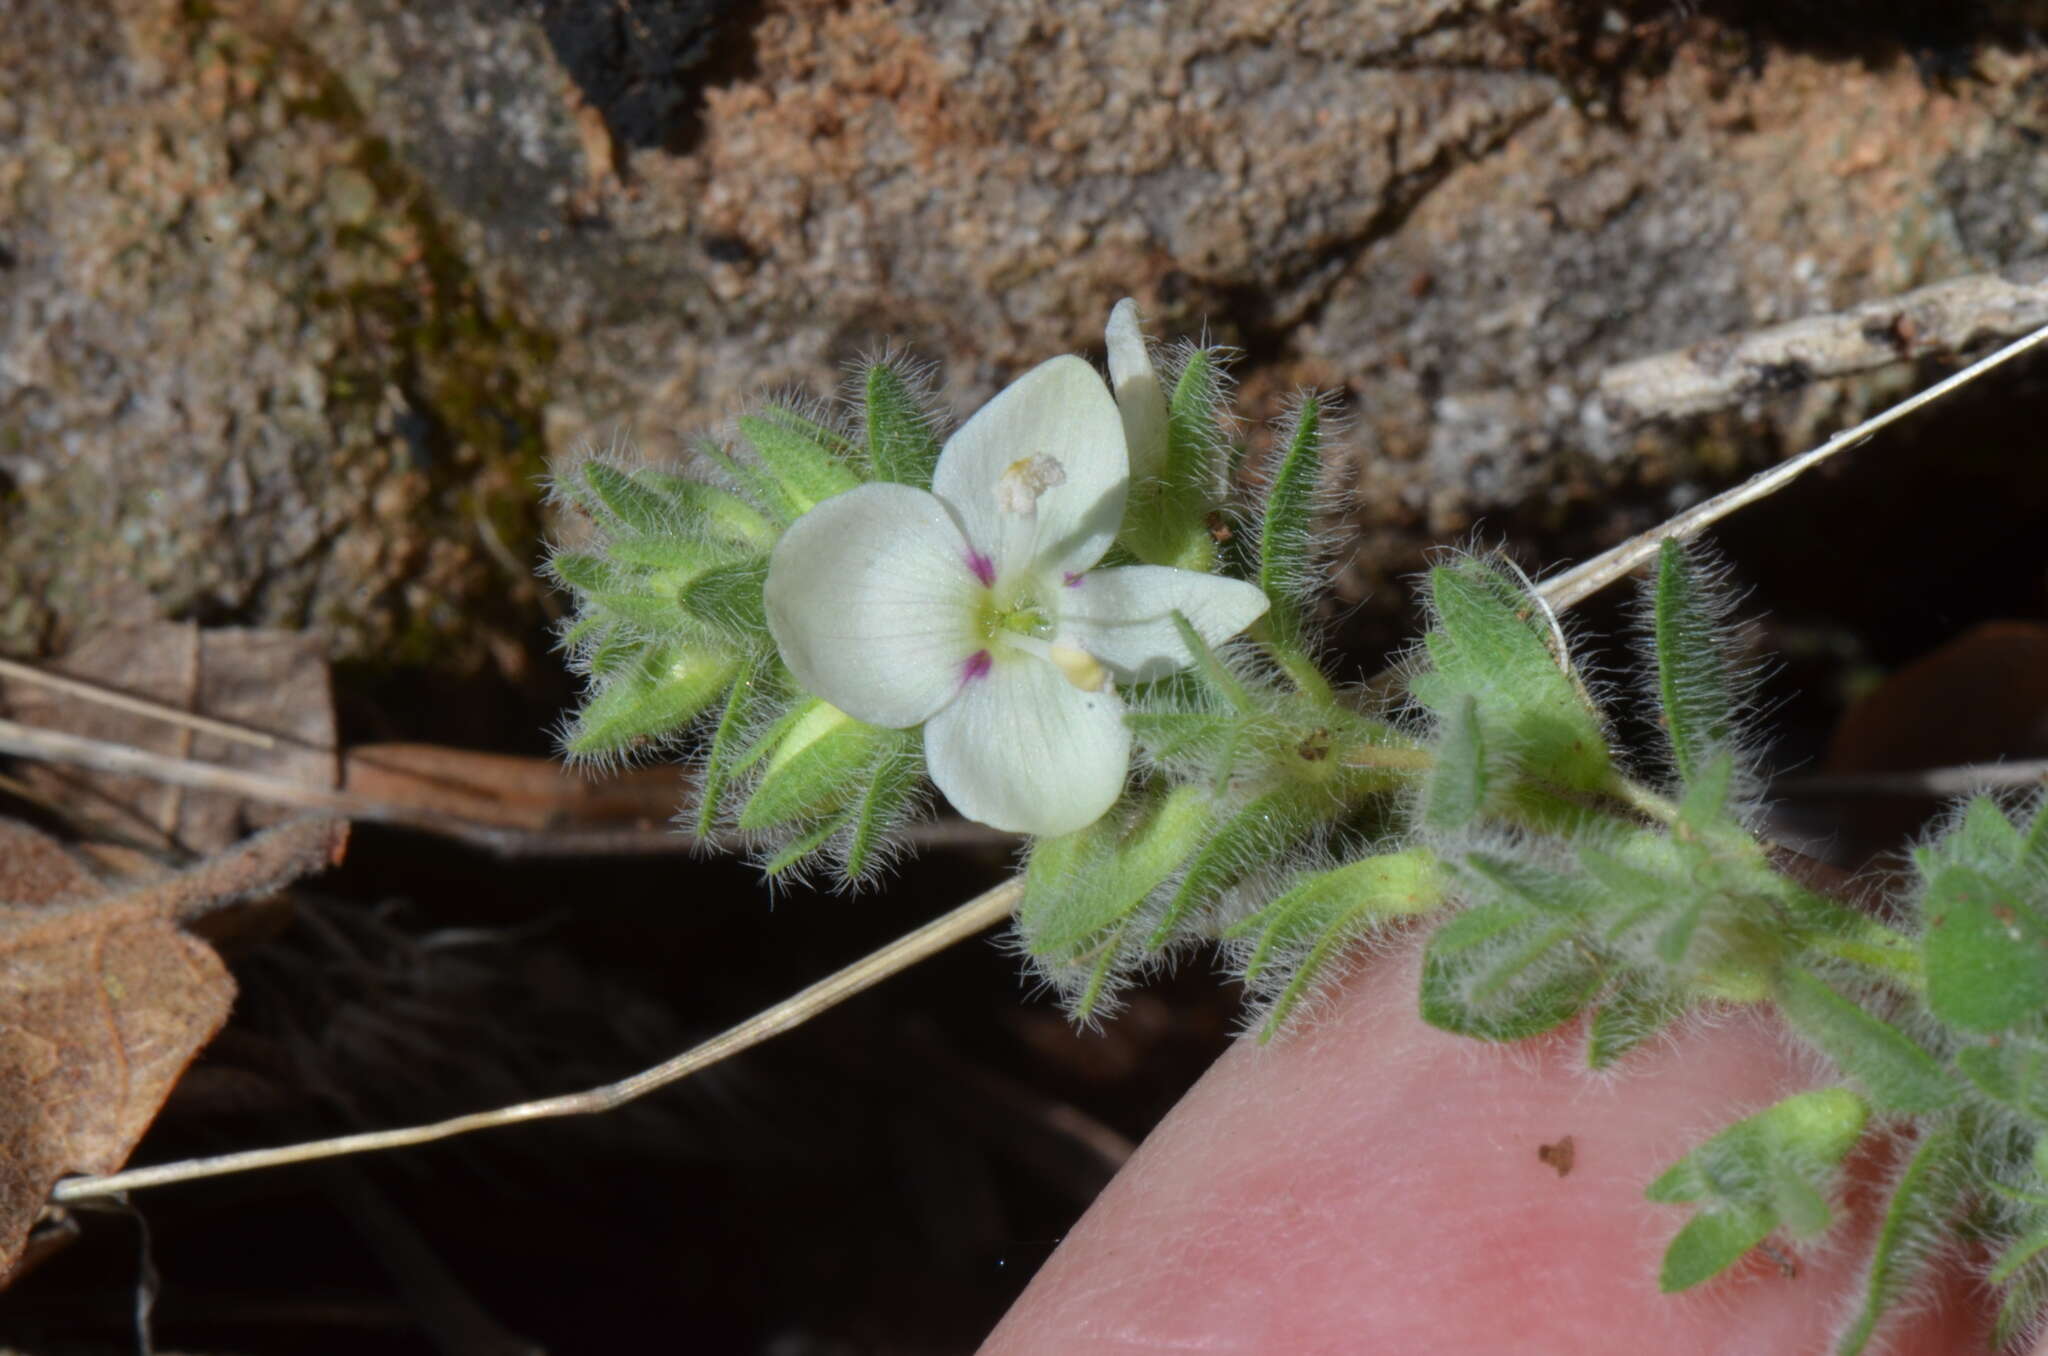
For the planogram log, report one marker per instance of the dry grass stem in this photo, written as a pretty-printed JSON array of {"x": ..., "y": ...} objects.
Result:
[
  {"x": 141, "y": 706},
  {"x": 976, "y": 915},
  {"x": 1935, "y": 781},
  {"x": 1584, "y": 580}
]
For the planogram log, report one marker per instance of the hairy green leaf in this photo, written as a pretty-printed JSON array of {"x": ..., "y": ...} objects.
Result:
[
  {"x": 1986, "y": 951},
  {"x": 1898, "y": 1073},
  {"x": 1693, "y": 689},
  {"x": 1456, "y": 790},
  {"x": 1760, "y": 1173},
  {"x": 1285, "y": 532},
  {"x": 1495, "y": 642},
  {"x": 1923, "y": 1198},
  {"x": 2013, "y": 1073},
  {"x": 1711, "y": 1242},
  {"x": 1496, "y": 972},
  {"x": 1625, "y": 1019}
]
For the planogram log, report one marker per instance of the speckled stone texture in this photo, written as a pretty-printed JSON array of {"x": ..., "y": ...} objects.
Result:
[{"x": 296, "y": 300}]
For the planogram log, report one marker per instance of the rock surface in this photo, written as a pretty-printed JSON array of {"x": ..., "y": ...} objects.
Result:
[{"x": 295, "y": 301}]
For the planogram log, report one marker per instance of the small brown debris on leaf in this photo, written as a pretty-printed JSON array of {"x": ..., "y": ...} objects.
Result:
[
  {"x": 1560, "y": 1155},
  {"x": 104, "y": 1000}
]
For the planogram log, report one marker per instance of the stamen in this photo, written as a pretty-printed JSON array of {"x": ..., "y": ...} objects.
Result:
[
  {"x": 1024, "y": 480},
  {"x": 1079, "y": 667},
  {"x": 1076, "y": 665}
]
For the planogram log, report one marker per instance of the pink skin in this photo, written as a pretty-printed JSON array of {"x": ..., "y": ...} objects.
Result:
[{"x": 1372, "y": 1185}]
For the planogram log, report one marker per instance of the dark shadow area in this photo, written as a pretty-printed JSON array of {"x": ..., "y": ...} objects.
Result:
[
  {"x": 883, "y": 1179},
  {"x": 644, "y": 64}
]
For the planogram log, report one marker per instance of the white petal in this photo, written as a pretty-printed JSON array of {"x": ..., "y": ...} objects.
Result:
[
  {"x": 1059, "y": 409},
  {"x": 1025, "y": 750},
  {"x": 1139, "y": 397},
  {"x": 872, "y": 600},
  {"x": 1124, "y": 617}
]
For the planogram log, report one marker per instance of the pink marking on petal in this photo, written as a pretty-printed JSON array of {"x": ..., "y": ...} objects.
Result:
[
  {"x": 1073, "y": 578},
  {"x": 977, "y": 666},
  {"x": 984, "y": 568}
]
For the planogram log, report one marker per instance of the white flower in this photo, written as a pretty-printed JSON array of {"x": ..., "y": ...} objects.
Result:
[{"x": 974, "y": 609}]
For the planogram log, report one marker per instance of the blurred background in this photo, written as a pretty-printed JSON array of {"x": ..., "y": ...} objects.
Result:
[{"x": 298, "y": 300}]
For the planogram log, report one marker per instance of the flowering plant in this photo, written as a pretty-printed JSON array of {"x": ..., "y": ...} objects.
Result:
[{"x": 1089, "y": 620}]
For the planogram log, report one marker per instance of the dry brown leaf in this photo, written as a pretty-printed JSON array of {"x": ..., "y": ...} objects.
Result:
[
  {"x": 275, "y": 682},
  {"x": 104, "y": 1000}
]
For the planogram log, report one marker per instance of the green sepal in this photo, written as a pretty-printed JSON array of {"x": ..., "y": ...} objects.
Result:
[
  {"x": 1761, "y": 1173},
  {"x": 1286, "y": 528},
  {"x": 804, "y": 458},
  {"x": 901, "y": 446},
  {"x": 1493, "y": 973},
  {"x": 1456, "y": 790},
  {"x": 1193, "y": 441},
  {"x": 1896, "y": 1071},
  {"x": 1698, "y": 702},
  {"x": 1210, "y": 671},
  {"x": 1266, "y": 824},
  {"x": 813, "y": 767},
  {"x": 1168, "y": 520},
  {"x": 757, "y": 483},
  {"x": 584, "y": 573},
  {"x": 718, "y": 514},
  {"x": 729, "y": 598},
  {"x": 1080, "y": 884},
  {"x": 890, "y": 785},
  {"x": 798, "y": 849},
  {"x": 1323, "y": 913},
  {"x": 1187, "y": 737},
  {"x": 1923, "y": 1198},
  {"x": 1083, "y": 891},
  {"x": 741, "y": 700},
  {"x": 632, "y": 504},
  {"x": 651, "y": 698},
  {"x": 1986, "y": 951},
  {"x": 662, "y": 562}
]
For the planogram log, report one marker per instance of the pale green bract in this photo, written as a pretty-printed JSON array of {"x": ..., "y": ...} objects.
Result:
[{"x": 977, "y": 610}]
